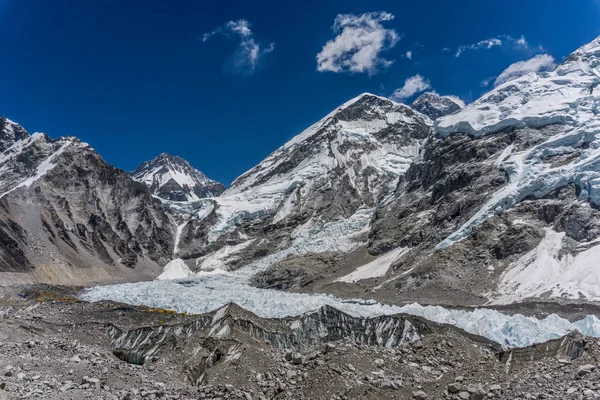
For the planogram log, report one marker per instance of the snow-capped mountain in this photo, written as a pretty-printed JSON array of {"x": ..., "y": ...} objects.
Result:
[
  {"x": 173, "y": 178},
  {"x": 338, "y": 169},
  {"x": 68, "y": 217},
  {"x": 435, "y": 106}
]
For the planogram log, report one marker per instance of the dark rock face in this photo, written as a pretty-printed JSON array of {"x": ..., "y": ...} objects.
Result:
[
  {"x": 296, "y": 272},
  {"x": 435, "y": 106},
  {"x": 443, "y": 190},
  {"x": 439, "y": 192},
  {"x": 173, "y": 178},
  {"x": 66, "y": 216}
]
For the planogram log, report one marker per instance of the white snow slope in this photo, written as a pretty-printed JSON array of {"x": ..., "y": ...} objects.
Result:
[
  {"x": 376, "y": 268},
  {"x": 567, "y": 96},
  {"x": 549, "y": 270},
  {"x": 175, "y": 269},
  {"x": 13, "y": 179}
]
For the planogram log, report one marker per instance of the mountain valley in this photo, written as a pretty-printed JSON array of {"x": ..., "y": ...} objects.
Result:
[{"x": 407, "y": 252}]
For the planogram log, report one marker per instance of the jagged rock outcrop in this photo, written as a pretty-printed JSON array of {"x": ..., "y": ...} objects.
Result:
[
  {"x": 173, "y": 178},
  {"x": 232, "y": 322}
]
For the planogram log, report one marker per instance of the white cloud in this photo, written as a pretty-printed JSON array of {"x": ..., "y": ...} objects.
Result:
[
  {"x": 413, "y": 85},
  {"x": 541, "y": 62},
  {"x": 522, "y": 42},
  {"x": 493, "y": 42},
  {"x": 409, "y": 54},
  {"x": 482, "y": 44},
  {"x": 249, "y": 51},
  {"x": 457, "y": 100},
  {"x": 486, "y": 82},
  {"x": 360, "y": 40}
]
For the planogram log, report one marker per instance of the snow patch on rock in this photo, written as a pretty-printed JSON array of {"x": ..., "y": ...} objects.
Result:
[
  {"x": 175, "y": 269},
  {"x": 551, "y": 271},
  {"x": 376, "y": 268}
]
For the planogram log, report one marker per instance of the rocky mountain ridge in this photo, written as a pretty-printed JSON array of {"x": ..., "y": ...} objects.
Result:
[
  {"x": 68, "y": 217},
  {"x": 332, "y": 174}
]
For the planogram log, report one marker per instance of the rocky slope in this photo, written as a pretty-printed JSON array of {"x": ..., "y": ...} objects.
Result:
[
  {"x": 173, "y": 178},
  {"x": 67, "y": 216}
]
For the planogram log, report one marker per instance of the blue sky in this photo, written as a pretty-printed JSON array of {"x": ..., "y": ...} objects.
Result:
[{"x": 224, "y": 83}]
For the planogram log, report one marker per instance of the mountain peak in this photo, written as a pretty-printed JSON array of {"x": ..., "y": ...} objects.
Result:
[
  {"x": 173, "y": 178},
  {"x": 435, "y": 106},
  {"x": 10, "y": 132},
  {"x": 367, "y": 99}
]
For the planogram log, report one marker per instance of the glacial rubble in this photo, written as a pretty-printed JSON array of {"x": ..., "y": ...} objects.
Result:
[{"x": 114, "y": 351}]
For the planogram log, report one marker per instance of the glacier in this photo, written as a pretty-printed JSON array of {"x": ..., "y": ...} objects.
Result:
[{"x": 209, "y": 291}]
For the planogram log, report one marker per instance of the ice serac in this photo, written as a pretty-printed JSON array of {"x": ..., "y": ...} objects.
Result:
[
  {"x": 68, "y": 217},
  {"x": 212, "y": 292},
  {"x": 435, "y": 106},
  {"x": 173, "y": 178},
  {"x": 335, "y": 172}
]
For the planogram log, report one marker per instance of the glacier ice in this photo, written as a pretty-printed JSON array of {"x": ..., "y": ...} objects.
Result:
[{"x": 212, "y": 290}]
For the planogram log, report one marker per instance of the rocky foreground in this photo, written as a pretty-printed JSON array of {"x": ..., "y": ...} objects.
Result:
[{"x": 54, "y": 347}]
